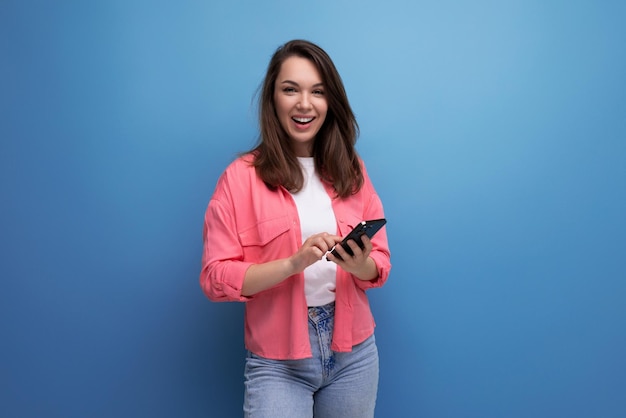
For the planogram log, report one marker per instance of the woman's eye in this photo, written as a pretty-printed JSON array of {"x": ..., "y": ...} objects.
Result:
[
  {"x": 318, "y": 92},
  {"x": 289, "y": 90}
]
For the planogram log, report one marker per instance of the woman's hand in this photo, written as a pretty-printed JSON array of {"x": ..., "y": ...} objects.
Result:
[
  {"x": 312, "y": 250},
  {"x": 359, "y": 264}
]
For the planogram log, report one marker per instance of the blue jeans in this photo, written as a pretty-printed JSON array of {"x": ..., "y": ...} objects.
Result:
[{"x": 330, "y": 384}]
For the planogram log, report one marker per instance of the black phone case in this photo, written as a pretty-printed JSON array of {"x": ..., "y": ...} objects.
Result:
[{"x": 368, "y": 228}]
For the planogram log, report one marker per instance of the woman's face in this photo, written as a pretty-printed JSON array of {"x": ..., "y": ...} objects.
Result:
[{"x": 300, "y": 103}]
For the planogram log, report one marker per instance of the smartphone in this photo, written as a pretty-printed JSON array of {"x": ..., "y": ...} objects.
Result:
[{"x": 368, "y": 228}]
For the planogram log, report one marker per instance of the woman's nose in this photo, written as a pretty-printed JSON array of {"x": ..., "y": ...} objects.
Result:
[{"x": 305, "y": 101}]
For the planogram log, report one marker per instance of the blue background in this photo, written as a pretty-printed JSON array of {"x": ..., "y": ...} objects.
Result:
[{"x": 495, "y": 133}]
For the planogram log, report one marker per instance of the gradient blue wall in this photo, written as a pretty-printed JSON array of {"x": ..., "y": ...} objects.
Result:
[{"x": 494, "y": 131}]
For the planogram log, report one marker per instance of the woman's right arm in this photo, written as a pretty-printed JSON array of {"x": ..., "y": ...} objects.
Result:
[
  {"x": 262, "y": 276},
  {"x": 227, "y": 276}
]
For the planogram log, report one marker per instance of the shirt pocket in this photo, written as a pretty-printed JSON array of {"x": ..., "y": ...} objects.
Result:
[
  {"x": 266, "y": 240},
  {"x": 347, "y": 224}
]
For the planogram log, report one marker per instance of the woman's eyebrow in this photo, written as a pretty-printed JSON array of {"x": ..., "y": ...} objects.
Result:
[{"x": 293, "y": 83}]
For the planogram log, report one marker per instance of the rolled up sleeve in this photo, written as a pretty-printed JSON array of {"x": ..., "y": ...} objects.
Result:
[
  {"x": 380, "y": 251},
  {"x": 223, "y": 268}
]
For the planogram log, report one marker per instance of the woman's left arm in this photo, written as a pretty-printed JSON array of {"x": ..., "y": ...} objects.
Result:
[{"x": 370, "y": 266}]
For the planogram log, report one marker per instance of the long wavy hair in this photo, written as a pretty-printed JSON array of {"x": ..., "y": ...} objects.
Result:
[{"x": 334, "y": 153}]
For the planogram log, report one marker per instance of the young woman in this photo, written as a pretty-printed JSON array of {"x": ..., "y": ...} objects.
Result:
[{"x": 275, "y": 213}]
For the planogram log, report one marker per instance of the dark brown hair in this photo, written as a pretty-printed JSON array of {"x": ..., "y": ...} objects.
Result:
[{"x": 336, "y": 159}]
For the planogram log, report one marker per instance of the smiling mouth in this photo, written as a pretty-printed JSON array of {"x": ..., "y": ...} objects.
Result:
[{"x": 302, "y": 121}]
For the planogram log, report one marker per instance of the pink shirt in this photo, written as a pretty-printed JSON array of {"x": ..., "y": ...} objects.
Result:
[{"x": 247, "y": 223}]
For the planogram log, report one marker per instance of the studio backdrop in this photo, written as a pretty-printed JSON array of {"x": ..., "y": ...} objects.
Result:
[{"x": 494, "y": 133}]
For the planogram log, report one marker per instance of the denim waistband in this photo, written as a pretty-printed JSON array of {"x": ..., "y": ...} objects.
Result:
[{"x": 321, "y": 313}]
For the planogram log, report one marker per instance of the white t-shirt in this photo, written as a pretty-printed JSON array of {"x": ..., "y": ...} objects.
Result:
[{"x": 316, "y": 215}]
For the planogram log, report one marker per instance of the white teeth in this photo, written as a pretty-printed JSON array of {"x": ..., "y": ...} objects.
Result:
[{"x": 303, "y": 120}]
